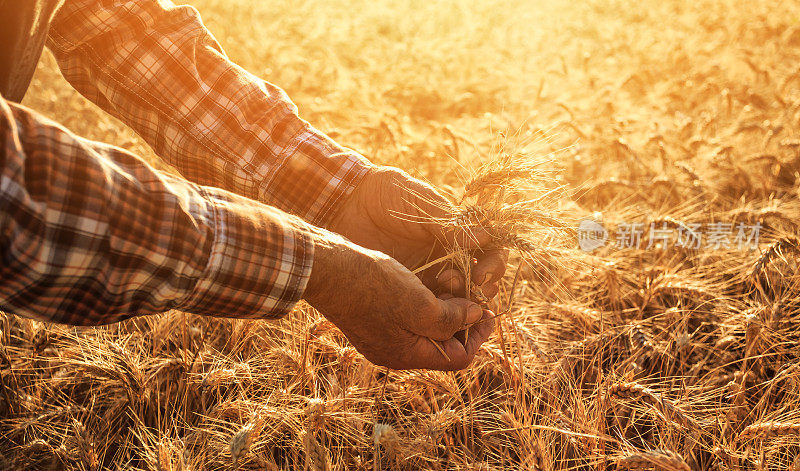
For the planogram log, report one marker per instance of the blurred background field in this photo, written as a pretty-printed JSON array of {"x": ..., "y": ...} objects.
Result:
[{"x": 664, "y": 112}]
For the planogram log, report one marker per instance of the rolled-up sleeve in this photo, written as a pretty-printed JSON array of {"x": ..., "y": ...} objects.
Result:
[
  {"x": 157, "y": 68},
  {"x": 90, "y": 234}
]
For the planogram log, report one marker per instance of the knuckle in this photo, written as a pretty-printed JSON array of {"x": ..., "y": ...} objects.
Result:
[
  {"x": 426, "y": 306},
  {"x": 445, "y": 323}
]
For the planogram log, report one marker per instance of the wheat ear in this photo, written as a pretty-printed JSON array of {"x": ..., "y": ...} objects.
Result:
[
  {"x": 770, "y": 429},
  {"x": 666, "y": 407},
  {"x": 660, "y": 459}
]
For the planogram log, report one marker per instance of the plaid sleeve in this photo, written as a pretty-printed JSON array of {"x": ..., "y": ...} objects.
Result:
[
  {"x": 90, "y": 234},
  {"x": 156, "y": 67}
]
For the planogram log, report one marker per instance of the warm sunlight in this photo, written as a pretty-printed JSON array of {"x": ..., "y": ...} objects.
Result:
[{"x": 595, "y": 228}]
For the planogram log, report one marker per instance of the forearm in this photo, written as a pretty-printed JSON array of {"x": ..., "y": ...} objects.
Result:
[
  {"x": 90, "y": 234},
  {"x": 160, "y": 71}
]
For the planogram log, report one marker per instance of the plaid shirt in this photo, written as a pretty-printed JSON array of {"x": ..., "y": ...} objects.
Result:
[{"x": 91, "y": 234}]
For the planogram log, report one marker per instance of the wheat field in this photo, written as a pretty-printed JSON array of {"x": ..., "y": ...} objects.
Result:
[{"x": 666, "y": 113}]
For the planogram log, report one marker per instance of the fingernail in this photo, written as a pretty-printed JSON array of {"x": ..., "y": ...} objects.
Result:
[{"x": 474, "y": 314}]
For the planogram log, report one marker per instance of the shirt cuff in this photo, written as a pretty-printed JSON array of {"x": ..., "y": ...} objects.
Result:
[
  {"x": 260, "y": 260},
  {"x": 315, "y": 175}
]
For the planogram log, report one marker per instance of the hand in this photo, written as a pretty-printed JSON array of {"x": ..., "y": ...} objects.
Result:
[
  {"x": 384, "y": 212},
  {"x": 387, "y": 313}
]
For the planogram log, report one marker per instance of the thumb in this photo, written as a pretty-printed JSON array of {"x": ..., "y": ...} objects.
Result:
[{"x": 453, "y": 314}]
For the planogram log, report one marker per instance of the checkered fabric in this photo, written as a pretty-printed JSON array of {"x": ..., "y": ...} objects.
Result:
[{"x": 91, "y": 234}]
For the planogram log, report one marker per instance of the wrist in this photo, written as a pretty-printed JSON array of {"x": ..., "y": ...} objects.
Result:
[
  {"x": 340, "y": 274},
  {"x": 332, "y": 255},
  {"x": 351, "y": 200},
  {"x": 259, "y": 259},
  {"x": 327, "y": 252}
]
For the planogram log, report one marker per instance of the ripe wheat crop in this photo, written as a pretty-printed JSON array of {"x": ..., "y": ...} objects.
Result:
[{"x": 673, "y": 354}]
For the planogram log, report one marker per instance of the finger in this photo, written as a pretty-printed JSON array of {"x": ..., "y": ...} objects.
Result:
[
  {"x": 480, "y": 330},
  {"x": 479, "y": 333},
  {"x": 456, "y": 314},
  {"x": 451, "y": 316},
  {"x": 490, "y": 268},
  {"x": 444, "y": 280},
  {"x": 458, "y": 354},
  {"x": 490, "y": 290},
  {"x": 431, "y": 204},
  {"x": 448, "y": 355},
  {"x": 439, "y": 318},
  {"x": 451, "y": 281}
]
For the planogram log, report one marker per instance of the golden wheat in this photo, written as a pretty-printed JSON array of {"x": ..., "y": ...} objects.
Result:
[
  {"x": 659, "y": 459},
  {"x": 666, "y": 407},
  {"x": 657, "y": 356}
]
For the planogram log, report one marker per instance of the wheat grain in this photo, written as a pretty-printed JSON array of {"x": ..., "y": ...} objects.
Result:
[
  {"x": 317, "y": 458},
  {"x": 766, "y": 430},
  {"x": 241, "y": 442},
  {"x": 384, "y": 435},
  {"x": 659, "y": 459},
  {"x": 315, "y": 412},
  {"x": 774, "y": 250}
]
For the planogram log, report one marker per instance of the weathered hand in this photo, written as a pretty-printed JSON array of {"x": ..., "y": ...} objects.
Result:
[
  {"x": 384, "y": 212},
  {"x": 387, "y": 313}
]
